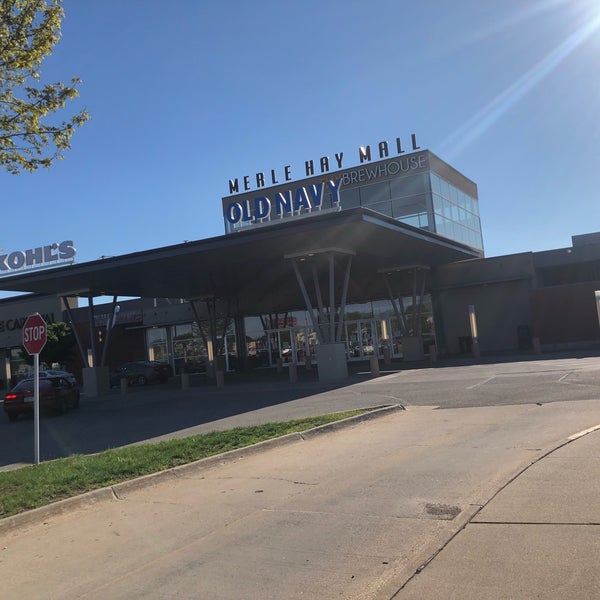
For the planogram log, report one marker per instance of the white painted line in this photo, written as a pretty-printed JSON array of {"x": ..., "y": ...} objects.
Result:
[
  {"x": 584, "y": 432},
  {"x": 565, "y": 376},
  {"x": 481, "y": 383}
]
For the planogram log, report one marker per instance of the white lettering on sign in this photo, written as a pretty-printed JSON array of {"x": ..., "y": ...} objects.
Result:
[{"x": 34, "y": 333}]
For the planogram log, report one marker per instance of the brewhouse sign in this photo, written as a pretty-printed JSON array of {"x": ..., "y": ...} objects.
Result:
[
  {"x": 324, "y": 165},
  {"x": 42, "y": 257}
]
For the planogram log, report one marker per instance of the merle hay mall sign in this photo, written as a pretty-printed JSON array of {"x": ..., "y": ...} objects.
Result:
[
  {"x": 34, "y": 334},
  {"x": 43, "y": 257},
  {"x": 306, "y": 198},
  {"x": 324, "y": 165}
]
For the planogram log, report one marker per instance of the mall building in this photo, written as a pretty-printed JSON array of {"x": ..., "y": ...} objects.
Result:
[{"x": 384, "y": 258}]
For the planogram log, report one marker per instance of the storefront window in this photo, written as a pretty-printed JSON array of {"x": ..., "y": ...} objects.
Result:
[
  {"x": 189, "y": 349},
  {"x": 156, "y": 338}
]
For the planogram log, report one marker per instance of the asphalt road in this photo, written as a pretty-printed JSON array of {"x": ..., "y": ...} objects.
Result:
[{"x": 163, "y": 411}]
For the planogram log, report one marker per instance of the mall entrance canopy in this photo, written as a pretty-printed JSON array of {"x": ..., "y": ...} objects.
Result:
[
  {"x": 318, "y": 262},
  {"x": 249, "y": 267}
]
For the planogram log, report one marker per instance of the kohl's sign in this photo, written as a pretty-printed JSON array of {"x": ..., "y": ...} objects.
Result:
[
  {"x": 38, "y": 258},
  {"x": 290, "y": 202}
]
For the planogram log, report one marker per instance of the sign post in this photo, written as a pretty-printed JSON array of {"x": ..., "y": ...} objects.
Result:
[{"x": 34, "y": 340}]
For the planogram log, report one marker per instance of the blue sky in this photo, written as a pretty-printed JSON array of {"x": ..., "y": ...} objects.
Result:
[{"x": 188, "y": 94}]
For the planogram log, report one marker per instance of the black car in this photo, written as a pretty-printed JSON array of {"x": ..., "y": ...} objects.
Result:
[
  {"x": 141, "y": 372},
  {"x": 56, "y": 393}
]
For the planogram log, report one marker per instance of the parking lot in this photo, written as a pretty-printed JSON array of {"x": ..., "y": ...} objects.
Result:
[{"x": 166, "y": 410}]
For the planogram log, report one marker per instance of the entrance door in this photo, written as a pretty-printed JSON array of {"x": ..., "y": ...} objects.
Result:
[
  {"x": 281, "y": 345},
  {"x": 369, "y": 342}
]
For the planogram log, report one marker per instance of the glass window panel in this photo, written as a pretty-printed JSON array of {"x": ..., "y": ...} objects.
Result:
[
  {"x": 435, "y": 184},
  {"x": 374, "y": 193},
  {"x": 409, "y": 186},
  {"x": 385, "y": 208},
  {"x": 445, "y": 188},
  {"x": 401, "y": 208},
  {"x": 453, "y": 194},
  {"x": 438, "y": 204},
  {"x": 350, "y": 197},
  {"x": 411, "y": 220}
]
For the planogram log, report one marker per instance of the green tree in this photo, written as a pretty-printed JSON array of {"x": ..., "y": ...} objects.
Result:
[
  {"x": 31, "y": 134},
  {"x": 60, "y": 342}
]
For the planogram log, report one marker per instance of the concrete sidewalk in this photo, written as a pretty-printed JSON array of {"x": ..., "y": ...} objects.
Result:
[
  {"x": 538, "y": 537},
  {"x": 420, "y": 504}
]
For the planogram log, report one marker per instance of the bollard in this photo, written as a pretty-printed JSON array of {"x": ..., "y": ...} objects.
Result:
[
  {"x": 537, "y": 348},
  {"x": 280, "y": 365},
  {"x": 374, "y": 361},
  {"x": 293, "y": 372},
  {"x": 185, "y": 381},
  {"x": 475, "y": 350},
  {"x": 220, "y": 379},
  {"x": 123, "y": 385},
  {"x": 387, "y": 356},
  {"x": 307, "y": 362},
  {"x": 433, "y": 353}
]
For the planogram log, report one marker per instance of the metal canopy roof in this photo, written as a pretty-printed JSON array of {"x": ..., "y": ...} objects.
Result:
[{"x": 249, "y": 269}]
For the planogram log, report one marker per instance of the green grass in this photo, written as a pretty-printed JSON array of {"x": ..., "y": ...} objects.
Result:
[{"x": 38, "y": 485}]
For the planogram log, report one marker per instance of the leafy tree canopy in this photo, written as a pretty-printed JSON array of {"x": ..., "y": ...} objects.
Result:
[
  {"x": 60, "y": 345},
  {"x": 30, "y": 134}
]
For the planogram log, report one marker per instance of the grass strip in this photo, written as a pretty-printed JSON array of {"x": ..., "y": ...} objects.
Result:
[{"x": 38, "y": 485}]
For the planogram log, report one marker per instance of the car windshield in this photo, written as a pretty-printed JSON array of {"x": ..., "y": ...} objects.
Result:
[{"x": 27, "y": 385}]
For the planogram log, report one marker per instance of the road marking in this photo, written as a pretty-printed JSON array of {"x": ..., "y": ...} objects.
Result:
[
  {"x": 565, "y": 376},
  {"x": 481, "y": 383},
  {"x": 584, "y": 432}
]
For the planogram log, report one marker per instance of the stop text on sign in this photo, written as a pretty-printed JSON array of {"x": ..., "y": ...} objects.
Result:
[{"x": 34, "y": 333}]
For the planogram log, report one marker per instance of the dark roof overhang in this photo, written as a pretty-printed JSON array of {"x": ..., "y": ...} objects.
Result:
[{"x": 248, "y": 268}]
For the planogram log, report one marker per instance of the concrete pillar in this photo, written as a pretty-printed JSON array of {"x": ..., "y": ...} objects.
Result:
[
  {"x": 412, "y": 348},
  {"x": 331, "y": 362},
  {"x": 124, "y": 385},
  {"x": 96, "y": 381}
]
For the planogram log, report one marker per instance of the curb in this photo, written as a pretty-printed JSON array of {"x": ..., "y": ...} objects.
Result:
[{"x": 120, "y": 490}]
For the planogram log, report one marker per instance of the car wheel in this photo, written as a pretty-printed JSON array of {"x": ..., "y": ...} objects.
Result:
[
  {"x": 142, "y": 380},
  {"x": 12, "y": 416}
]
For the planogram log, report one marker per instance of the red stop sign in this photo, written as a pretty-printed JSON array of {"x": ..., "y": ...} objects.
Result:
[{"x": 34, "y": 334}]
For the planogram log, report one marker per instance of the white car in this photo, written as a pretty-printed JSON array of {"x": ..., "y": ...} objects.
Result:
[{"x": 58, "y": 373}]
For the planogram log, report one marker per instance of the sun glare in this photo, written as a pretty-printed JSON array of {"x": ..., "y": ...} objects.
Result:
[{"x": 473, "y": 128}]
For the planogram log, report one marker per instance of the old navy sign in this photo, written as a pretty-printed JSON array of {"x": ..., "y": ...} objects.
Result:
[
  {"x": 290, "y": 202},
  {"x": 38, "y": 258},
  {"x": 324, "y": 165}
]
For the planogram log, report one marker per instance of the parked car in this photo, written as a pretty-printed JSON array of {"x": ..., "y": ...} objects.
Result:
[
  {"x": 56, "y": 393},
  {"x": 141, "y": 372},
  {"x": 58, "y": 373}
]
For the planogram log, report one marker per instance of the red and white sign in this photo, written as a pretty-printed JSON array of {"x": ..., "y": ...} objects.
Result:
[{"x": 34, "y": 334}]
